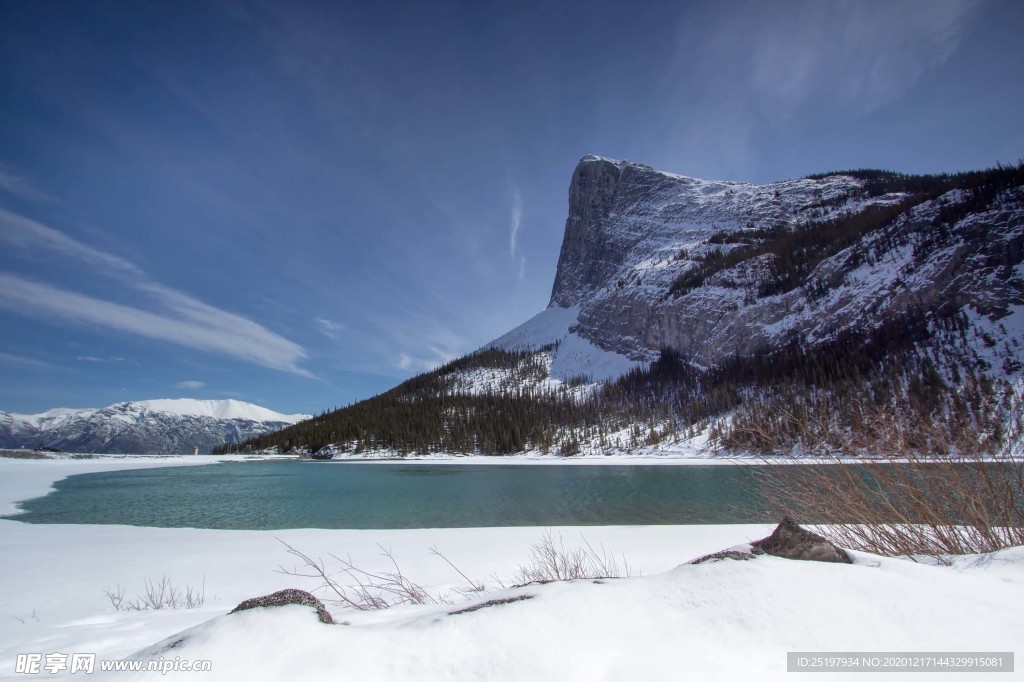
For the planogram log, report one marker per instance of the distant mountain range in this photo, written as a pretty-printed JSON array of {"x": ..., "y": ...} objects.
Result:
[
  {"x": 143, "y": 427},
  {"x": 857, "y": 311}
]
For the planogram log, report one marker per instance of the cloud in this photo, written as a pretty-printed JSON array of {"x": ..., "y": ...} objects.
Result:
[
  {"x": 190, "y": 385},
  {"x": 22, "y": 361},
  {"x": 195, "y": 325},
  {"x": 20, "y": 186},
  {"x": 330, "y": 328},
  {"x": 30, "y": 235},
  {"x": 515, "y": 224},
  {"x": 854, "y": 53},
  {"x": 407, "y": 361},
  {"x": 91, "y": 358},
  {"x": 440, "y": 347},
  {"x": 179, "y": 318},
  {"x": 742, "y": 65}
]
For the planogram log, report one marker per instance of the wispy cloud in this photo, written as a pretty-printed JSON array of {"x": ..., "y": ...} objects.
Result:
[
  {"x": 515, "y": 224},
  {"x": 18, "y": 185},
  {"x": 330, "y": 328},
  {"x": 196, "y": 326},
  {"x": 92, "y": 358},
  {"x": 190, "y": 385},
  {"x": 423, "y": 363},
  {"x": 434, "y": 348},
  {"x": 22, "y": 361},
  {"x": 177, "y": 318},
  {"x": 29, "y": 235},
  {"x": 859, "y": 54},
  {"x": 742, "y": 65}
]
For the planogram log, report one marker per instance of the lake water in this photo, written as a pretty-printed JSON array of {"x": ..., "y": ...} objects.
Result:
[{"x": 276, "y": 495}]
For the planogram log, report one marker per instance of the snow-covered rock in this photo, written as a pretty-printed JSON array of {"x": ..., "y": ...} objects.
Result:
[{"x": 632, "y": 231}]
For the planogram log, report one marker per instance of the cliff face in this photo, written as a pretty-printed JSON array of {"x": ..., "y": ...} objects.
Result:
[
  {"x": 592, "y": 248},
  {"x": 653, "y": 259}
]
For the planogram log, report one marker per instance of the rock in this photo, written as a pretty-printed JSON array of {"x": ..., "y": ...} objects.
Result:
[
  {"x": 788, "y": 541},
  {"x": 325, "y": 453},
  {"x": 284, "y": 598},
  {"x": 741, "y": 553}
]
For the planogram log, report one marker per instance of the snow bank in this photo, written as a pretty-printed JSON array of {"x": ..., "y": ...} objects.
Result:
[{"x": 718, "y": 621}]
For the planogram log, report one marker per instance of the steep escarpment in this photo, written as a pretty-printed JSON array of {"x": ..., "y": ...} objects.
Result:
[{"x": 714, "y": 269}]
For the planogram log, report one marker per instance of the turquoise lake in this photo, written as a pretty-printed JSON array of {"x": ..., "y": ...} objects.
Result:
[{"x": 277, "y": 495}]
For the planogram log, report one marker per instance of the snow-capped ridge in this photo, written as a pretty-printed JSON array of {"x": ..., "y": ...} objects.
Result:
[
  {"x": 144, "y": 426},
  {"x": 218, "y": 409}
]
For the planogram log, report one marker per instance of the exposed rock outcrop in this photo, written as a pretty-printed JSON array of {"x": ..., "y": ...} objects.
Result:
[
  {"x": 788, "y": 541},
  {"x": 285, "y": 598}
]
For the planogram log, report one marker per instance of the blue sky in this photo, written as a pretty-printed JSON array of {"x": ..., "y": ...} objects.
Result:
[{"x": 301, "y": 204}]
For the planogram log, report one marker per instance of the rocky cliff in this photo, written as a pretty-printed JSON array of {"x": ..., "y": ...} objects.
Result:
[{"x": 652, "y": 259}]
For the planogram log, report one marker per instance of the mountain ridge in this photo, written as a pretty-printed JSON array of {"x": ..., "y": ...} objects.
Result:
[{"x": 160, "y": 426}]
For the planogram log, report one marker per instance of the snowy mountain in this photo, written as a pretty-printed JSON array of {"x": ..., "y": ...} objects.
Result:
[
  {"x": 857, "y": 311},
  {"x": 145, "y": 426},
  {"x": 634, "y": 232}
]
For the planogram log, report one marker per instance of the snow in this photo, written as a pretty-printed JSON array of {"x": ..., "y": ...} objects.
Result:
[
  {"x": 715, "y": 621},
  {"x": 719, "y": 620},
  {"x": 219, "y": 409},
  {"x": 52, "y": 415},
  {"x": 548, "y": 326},
  {"x": 651, "y": 456},
  {"x": 575, "y": 356},
  {"x": 184, "y": 407}
]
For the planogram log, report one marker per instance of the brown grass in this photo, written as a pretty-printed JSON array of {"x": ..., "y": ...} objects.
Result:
[{"x": 903, "y": 506}]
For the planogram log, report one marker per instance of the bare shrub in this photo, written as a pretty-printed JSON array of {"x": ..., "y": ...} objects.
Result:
[
  {"x": 903, "y": 506},
  {"x": 879, "y": 417},
  {"x": 550, "y": 560},
  {"x": 363, "y": 590},
  {"x": 369, "y": 590},
  {"x": 24, "y": 619},
  {"x": 116, "y": 596},
  {"x": 162, "y": 594}
]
